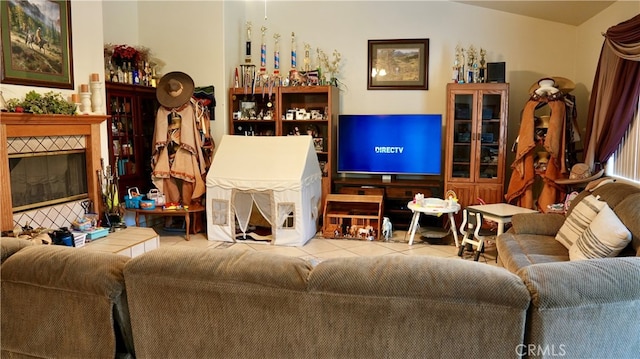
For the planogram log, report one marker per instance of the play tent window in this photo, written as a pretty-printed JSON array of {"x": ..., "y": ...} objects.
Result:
[
  {"x": 219, "y": 211},
  {"x": 286, "y": 214}
]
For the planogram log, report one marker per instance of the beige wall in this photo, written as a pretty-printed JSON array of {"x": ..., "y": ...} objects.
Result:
[{"x": 202, "y": 38}]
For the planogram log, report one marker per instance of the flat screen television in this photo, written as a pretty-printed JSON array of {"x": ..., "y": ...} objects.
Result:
[{"x": 390, "y": 144}]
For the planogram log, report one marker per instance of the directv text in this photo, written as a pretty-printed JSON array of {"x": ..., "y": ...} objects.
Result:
[{"x": 388, "y": 149}]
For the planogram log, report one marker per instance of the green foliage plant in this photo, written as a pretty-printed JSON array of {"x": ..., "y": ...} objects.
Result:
[{"x": 49, "y": 103}]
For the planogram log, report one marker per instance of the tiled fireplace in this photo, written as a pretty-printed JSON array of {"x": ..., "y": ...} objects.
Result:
[{"x": 25, "y": 133}]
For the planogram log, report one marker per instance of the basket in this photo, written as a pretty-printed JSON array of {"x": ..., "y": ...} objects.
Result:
[
  {"x": 147, "y": 204},
  {"x": 79, "y": 239},
  {"x": 157, "y": 196},
  {"x": 133, "y": 198}
]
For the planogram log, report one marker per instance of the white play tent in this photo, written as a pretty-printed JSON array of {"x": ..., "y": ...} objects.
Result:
[{"x": 279, "y": 174}]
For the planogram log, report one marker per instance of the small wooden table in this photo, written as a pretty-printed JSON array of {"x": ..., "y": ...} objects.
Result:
[
  {"x": 186, "y": 213},
  {"x": 500, "y": 213}
]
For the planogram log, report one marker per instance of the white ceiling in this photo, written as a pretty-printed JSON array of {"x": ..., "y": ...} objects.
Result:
[{"x": 566, "y": 12}]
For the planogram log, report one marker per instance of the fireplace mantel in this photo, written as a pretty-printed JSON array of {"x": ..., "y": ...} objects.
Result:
[{"x": 31, "y": 125}]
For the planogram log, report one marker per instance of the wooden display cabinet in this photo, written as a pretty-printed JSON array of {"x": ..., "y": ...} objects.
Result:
[
  {"x": 132, "y": 109},
  {"x": 476, "y": 135}
]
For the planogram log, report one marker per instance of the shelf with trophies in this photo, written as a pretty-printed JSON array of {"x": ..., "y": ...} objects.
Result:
[{"x": 301, "y": 101}]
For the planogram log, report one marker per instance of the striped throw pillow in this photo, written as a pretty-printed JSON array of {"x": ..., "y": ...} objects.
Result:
[
  {"x": 606, "y": 236},
  {"x": 579, "y": 219}
]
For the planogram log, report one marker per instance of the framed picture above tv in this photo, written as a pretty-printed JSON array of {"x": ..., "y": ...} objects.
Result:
[{"x": 398, "y": 64}]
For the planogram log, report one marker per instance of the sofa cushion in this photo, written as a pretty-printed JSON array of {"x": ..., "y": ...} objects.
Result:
[
  {"x": 516, "y": 251},
  {"x": 605, "y": 237},
  {"x": 546, "y": 224},
  {"x": 628, "y": 211},
  {"x": 578, "y": 220}
]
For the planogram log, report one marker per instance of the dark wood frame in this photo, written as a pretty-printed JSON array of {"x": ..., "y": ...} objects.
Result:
[
  {"x": 16, "y": 48},
  {"x": 421, "y": 81}
]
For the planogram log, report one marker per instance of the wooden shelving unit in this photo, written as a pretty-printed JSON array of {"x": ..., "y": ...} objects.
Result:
[
  {"x": 290, "y": 111},
  {"x": 352, "y": 216}
]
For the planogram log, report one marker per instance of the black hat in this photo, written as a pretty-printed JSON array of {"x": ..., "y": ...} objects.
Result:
[{"x": 175, "y": 89}]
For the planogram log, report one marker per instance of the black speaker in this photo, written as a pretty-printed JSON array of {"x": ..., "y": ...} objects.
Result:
[{"x": 496, "y": 71}]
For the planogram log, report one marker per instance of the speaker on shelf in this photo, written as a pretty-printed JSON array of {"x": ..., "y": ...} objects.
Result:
[{"x": 496, "y": 72}]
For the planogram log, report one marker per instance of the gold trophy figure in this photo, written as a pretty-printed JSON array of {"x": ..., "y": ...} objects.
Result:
[{"x": 307, "y": 57}]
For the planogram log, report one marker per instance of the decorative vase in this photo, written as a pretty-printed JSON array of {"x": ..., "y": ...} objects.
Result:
[
  {"x": 85, "y": 102},
  {"x": 96, "y": 97}
]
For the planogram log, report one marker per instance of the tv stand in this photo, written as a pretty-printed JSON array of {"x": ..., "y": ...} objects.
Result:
[
  {"x": 396, "y": 194},
  {"x": 386, "y": 178}
]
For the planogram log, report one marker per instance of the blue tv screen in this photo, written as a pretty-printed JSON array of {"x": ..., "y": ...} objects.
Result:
[{"x": 390, "y": 144}]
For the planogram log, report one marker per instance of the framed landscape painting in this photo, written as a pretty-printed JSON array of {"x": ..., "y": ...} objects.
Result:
[
  {"x": 36, "y": 43},
  {"x": 398, "y": 64}
]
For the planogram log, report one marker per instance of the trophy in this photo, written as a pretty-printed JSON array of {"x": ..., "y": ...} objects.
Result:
[
  {"x": 263, "y": 53},
  {"x": 293, "y": 73},
  {"x": 293, "y": 51},
  {"x": 247, "y": 49},
  {"x": 276, "y": 55},
  {"x": 460, "y": 65},
  {"x": 248, "y": 70},
  {"x": 471, "y": 58},
  {"x": 483, "y": 66},
  {"x": 455, "y": 75},
  {"x": 307, "y": 59}
]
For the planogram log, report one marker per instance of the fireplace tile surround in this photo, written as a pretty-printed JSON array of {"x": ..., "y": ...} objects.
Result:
[{"x": 30, "y": 132}]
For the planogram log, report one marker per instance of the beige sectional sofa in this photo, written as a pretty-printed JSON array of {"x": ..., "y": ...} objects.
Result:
[
  {"x": 178, "y": 302},
  {"x": 583, "y": 308},
  {"x": 190, "y": 303}
]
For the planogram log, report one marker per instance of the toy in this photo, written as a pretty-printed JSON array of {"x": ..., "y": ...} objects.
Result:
[{"x": 387, "y": 228}]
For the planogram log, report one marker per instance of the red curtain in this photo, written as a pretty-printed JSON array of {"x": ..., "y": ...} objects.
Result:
[{"x": 615, "y": 92}]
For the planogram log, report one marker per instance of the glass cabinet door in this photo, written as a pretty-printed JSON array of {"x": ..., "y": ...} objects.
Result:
[
  {"x": 489, "y": 133},
  {"x": 462, "y": 135},
  {"x": 122, "y": 135}
]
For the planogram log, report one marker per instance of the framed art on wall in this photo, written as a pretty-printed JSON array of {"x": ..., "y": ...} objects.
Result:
[
  {"x": 36, "y": 43},
  {"x": 398, "y": 64}
]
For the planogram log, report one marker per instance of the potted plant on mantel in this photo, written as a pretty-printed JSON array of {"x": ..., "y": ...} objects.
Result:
[{"x": 49, "y": 103}]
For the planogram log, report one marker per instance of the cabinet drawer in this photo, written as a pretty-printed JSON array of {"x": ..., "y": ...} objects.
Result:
[{"x": 362, "y": 190}]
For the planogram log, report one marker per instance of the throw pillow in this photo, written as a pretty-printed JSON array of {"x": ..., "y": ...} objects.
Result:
[
  {"x": 606, "y": 236},
  {"x": 578, "y": 220}
]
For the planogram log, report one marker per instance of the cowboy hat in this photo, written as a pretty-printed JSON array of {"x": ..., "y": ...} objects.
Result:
[
  {"x": 561, "y": 83},
  {"x": 174, "y": 89},
  {"x": 580, "y": 173}
]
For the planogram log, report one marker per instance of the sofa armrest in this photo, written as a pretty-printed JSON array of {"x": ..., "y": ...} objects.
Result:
[
  {"x": 583, "y": 308},
  {"x": 547, "y": 224},
  {"x": 583, "y": 283},
  {"x": 50, "y": 290}
]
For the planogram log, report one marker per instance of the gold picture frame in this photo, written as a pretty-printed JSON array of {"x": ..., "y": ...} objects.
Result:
[{"x": 398, "y": 64}]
